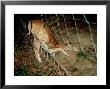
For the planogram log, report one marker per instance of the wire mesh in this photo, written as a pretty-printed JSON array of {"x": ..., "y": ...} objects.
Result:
[
  {"x": 59, "y": 24},
  {"x": 69, "y": 38},
  {"x": 90, "y": 31}
]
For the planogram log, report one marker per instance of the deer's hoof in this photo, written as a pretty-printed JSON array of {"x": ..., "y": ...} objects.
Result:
[{"x": 39, "y": 60}]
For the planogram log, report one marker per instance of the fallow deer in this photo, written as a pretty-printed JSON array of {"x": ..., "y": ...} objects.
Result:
[{"x": 44, "y": 37}]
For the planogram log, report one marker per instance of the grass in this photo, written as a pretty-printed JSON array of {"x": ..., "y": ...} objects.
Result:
[
  {"x": 22, "y": 71},
  {"x": 82, "y": 55}
]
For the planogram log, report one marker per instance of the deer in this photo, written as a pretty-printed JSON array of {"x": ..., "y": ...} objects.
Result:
[{"x": 44, "y": 37}]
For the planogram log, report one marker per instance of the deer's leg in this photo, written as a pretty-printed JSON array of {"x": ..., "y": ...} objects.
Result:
[
  {"x": 37, "y": 49},
  {"x": 58, "y": 49}
]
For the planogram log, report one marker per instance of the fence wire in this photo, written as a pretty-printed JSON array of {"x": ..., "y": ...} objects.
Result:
[
  {"x": 90, "y": 32},
  {"x": 58, "y": 23},
  {"x": 77, "y": 33},
  {"x": 66, "y": 29}
]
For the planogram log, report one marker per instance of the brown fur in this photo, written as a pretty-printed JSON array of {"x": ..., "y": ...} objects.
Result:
[
  {"x": 52, "y": 41},
  {"x": 43, "y": 33}
]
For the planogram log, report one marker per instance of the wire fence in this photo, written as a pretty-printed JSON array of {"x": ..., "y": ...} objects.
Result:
[{"x": 85, "y": 20}]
